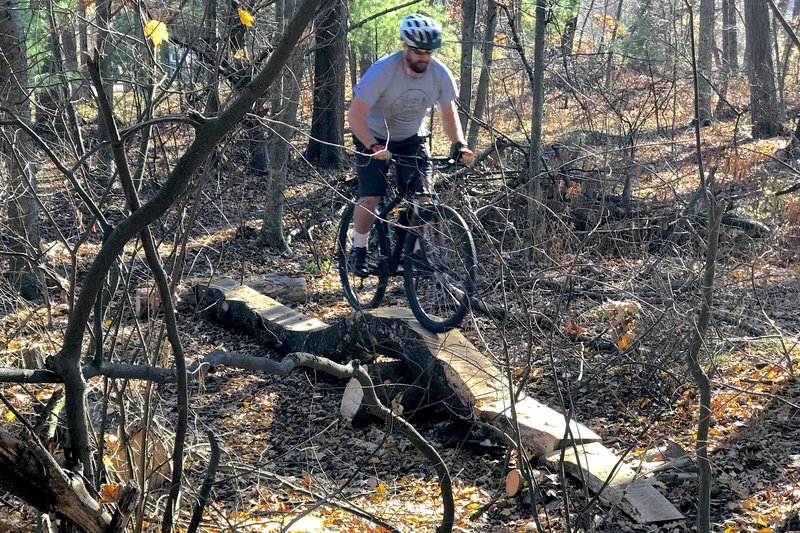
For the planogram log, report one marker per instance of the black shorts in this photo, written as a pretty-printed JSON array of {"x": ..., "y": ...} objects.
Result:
[{"x": 412, "y": 161}]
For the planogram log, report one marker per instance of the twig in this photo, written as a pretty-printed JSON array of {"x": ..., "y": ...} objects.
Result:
[
  {"x": 380, "y": 14},
  {"x": 757, "y": 393},
  {"x": 208, "y": 482},
  {"x": 357, "y": 511}
]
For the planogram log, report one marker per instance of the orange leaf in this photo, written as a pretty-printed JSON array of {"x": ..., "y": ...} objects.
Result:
[
  {"x": 625, "y": 340},
  {"x": 572, "y": 328},
  {"x": 110, "y": 493},
  {"x": 573, "y": 191}
]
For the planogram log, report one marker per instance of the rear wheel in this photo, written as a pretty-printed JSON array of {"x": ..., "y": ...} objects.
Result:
[
  {"x": 361, "y": 293},
  {"x": 439, "y": 267}
]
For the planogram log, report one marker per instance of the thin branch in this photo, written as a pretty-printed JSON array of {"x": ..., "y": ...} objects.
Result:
[
  {"x": 380, "y": 14},
  {"x": 789, "y": 31},
  {"x": 208, "y": 482}
]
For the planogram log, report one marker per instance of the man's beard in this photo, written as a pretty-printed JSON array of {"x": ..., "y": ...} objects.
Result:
[{"x": 419, "y": 68}]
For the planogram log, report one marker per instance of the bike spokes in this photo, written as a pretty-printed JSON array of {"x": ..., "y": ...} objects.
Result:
[
  {"x": 440, "y": 268},
  {"x": 360, "y": 292}
]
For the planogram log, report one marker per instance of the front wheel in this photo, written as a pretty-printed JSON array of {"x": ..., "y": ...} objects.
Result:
[
  {"x": 361, "y": 293},
  {"x": 439, "y": 267}
]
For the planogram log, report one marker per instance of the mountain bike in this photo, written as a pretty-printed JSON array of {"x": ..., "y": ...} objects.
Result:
[{"x": 429, "y": 240}]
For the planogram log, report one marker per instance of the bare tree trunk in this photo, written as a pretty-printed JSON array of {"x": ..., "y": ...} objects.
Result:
[
  {"x": 468, "y": 13},
  {"x": 210, "y": 41},
  {"x": 16, "y": 175},
  {"x": 105, "y": 165},
  {"x": 760, "y": 70},
  {"x": 610, "y": 57},
  {"x": 568, "y": 35},
  {"x": 779, "y": 79},
  {"x": 730, "y": 59},
  {"x": 327, "y": 122},
  {"x": 704, "y": 53},
  {"x": 701, "y": 378},
  {"x": 285, "y": 101},
  {"x": 787, "y": 54},
  {"x": 535, "y": 196},
  {"x": 481, "y": 95}
]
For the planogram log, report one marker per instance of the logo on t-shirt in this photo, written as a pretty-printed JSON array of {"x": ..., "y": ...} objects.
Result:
[{"x": 410, "y": 105}]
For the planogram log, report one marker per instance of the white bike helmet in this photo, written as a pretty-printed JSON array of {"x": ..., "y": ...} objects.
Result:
[{"x": 420, "y": 31}]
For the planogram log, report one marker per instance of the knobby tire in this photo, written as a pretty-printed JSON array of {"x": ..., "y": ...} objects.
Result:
[{"x": 439, "y": 283}]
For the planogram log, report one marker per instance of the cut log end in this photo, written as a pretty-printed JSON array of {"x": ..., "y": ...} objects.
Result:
[
  {"x": 351, "y": 400},
  {"x": 514, "y": 483}
]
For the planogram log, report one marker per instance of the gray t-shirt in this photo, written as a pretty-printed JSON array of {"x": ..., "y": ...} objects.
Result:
[{"x": 397, "y": 102}]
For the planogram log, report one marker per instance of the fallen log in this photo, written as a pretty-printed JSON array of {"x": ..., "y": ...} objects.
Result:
[
  {"x": 615, "y": 482},
  {"x": 446, "y": 364},
  {"x": 394, "y": 383},
  {"x": 453, "y": 371}
]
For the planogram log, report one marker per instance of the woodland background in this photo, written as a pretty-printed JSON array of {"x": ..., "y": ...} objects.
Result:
[{"x": 642, "y": 152}]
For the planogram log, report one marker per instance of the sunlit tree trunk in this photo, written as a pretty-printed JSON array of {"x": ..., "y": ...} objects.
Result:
[
  {"x": 730, "y": 59},
  {"x": 17, "y": 178},
  {"x": 704, "y": 52},
  {"x": 468, "y": 12},
  {"x": 285, "y": 99},
  {"x": 327, "y": 122},
  {"x": 783, "y": 62},
  {"x": 535, "y": 196},
  {"x": 481, "y": 95},
  {"x": 760, "y": 70}
]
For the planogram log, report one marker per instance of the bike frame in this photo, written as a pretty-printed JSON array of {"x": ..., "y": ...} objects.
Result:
[{"x": 393, "y": 256}]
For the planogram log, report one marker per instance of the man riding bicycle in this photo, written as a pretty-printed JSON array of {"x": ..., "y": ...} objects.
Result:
[{"x": 386, "y": 117}]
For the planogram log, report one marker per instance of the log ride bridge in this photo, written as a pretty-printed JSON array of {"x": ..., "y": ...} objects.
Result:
[{"x": 452, "y": 371}]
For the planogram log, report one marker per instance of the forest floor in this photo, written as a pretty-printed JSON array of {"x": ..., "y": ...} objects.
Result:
[{"x": 286, "y": 450}]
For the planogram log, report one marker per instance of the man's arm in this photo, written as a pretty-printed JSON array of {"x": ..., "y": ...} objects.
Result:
[
  {"x": 358, "y": 121},
  {"x": 452, "y": 124},
  {"x": 452, "y": 128}
]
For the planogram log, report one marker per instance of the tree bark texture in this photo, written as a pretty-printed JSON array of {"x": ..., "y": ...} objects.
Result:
[
  {"x": 327, "y": 121},
  {"x": 482, "y": 93},
  {"x": 760, "y": 70},
  {"x": 730, "y": 59},
  {"x": 730, "y": 34},
  {"x": 16, "y": 175},
  {"x": 468, "y": 13},
  {"x": 534, "y": 189},
  {"x": 30, "y": 472},
  {"x": 285, "y": 102},
  {"x": 706, "y": 43}
]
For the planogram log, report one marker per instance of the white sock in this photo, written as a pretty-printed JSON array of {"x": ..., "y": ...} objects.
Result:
[{"x": 360, "y": 239}]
